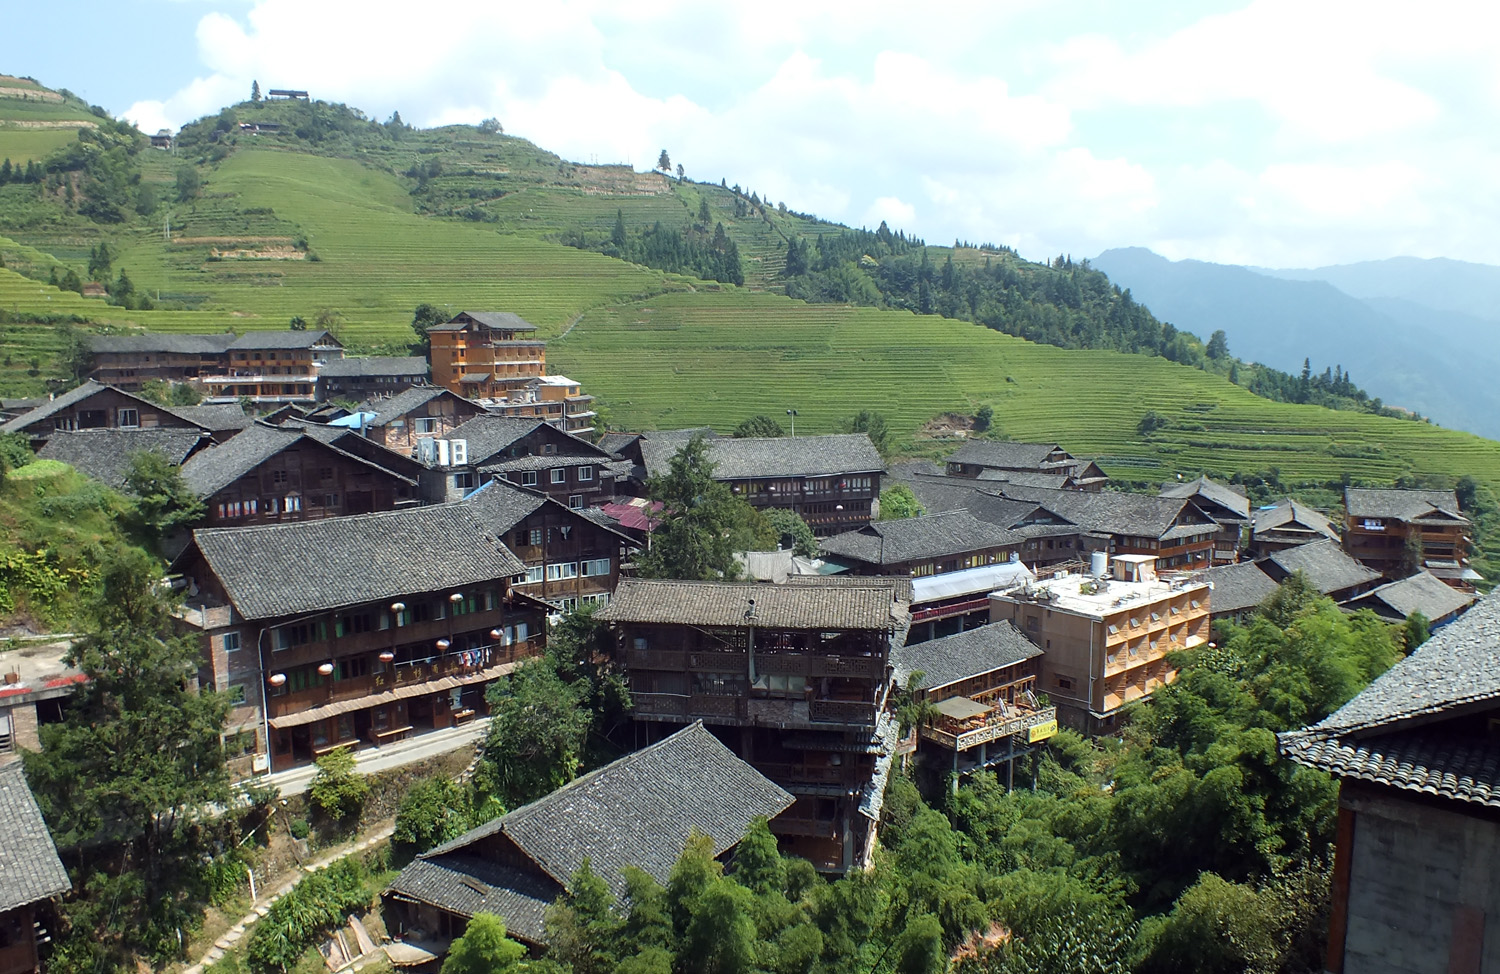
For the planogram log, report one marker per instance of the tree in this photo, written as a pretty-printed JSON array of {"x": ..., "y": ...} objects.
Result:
[
  {"x": 297, "y": 323},
  {"x": 189, "y": 184},
  {"x": 491, "y": 126},
  {"x": 761, "y": 425},
  {"x": 255, "y": 91},
  {"x": 984, "y": 418},
  {"x": 1218, "y": 345},
  {"x": 704, "y": 216},
  {"x": 700, "y": 518},
  {"x": 539, "y": 724},
  {"x": 1216, "y": 927},
  {"x": 680, "y": 172},
  {"x": 582, "y": 929},
  {"x": 164, "y": 503},
  {"x": 617, "y": 235},
  {"x": 75, "y": 357},
  {"x": 483, "y": 949},
  {"x": 873, "y": 425},
  {"x": 1413, "y": 555},
  {"x": 100, "y": 260},
  {"x": 146, "y": 199},
  {"x": 422, "y": 319},
  {"x": 432, "y": 812},
  {"x": 757, "y": 863},
  {"x": 664, "y": 161},
  {"x": 338, "y": 788},
  {"x": 1151, "y": 422},
  {"x": 791, "y": 531},
  {"x": 1416, "y": 631},
  {"x": 899, "y": 502}
]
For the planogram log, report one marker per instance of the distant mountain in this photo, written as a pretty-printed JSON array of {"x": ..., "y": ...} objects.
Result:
[{"x": 1396, "y": 345}]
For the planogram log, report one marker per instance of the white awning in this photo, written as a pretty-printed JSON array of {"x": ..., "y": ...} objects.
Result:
[{"x": 970, "y": 581}]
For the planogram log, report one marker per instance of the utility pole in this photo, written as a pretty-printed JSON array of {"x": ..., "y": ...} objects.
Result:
[{"x": 793, "y": 414}]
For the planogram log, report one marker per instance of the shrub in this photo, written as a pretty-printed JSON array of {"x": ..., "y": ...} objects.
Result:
[{"x": 338, "y": 789}]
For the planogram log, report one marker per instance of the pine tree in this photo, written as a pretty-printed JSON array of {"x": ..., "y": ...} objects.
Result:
[
  {"x": 5, "y": 171},
  {"x": 255, "y": 92},
  {"x": 617, "y": 235},
  {"x": 664, "y": 161}
]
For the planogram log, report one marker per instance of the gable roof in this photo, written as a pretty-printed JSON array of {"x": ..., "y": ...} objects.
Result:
[
  {"x": 960, "y": 656},
  {"x": 466, "y": 885},
  {"x": 928, "y": 536},
  {"x": 343, "y": 368},
  {"x": 497, "y": 320},
  {"x": 940, "y": 493},
  {"x": 1114, "y": 512},
  {"x": 1403, "y": 505},
  {"x": 1009, "y": 456},
  {"x": 1421, "y": 592},
  {"x": 899, "y": 586},
  {"x": 1289, "y": 515},
  {"x": 1237, "y": 587},
  {"x": 29, "y": 868},
  {"x": 105, "y": 454},
  {"x": 270, "y": 339},
  {"x": 216, "y": 418},
  {"x": 851, "y": 606},
  {"x": 389, "y": 409},
  {"x": 788, "y": 456},
  {"x": 488, "y": 434},
  {"x": 1392, "y": 732},
  {"x": 1327, "y": 566},
  {"x": 638, "y": 811},
  {"x": 72, "y": 398},
  {"x": 1235, "y": 504},
  {"x": 211, "y": 471},
  {"x": 165, "y": 343},
  {"x": 502, "y": 505},
  {"x": 310, "y": 566}
]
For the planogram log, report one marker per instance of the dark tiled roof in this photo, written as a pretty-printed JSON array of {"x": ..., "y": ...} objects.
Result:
[
  {"x": 1404, "y": 505},
  {"x": 507, "y": 464},
  {"x": 162, "y": 342},
  {"x": 1237, "y": 587},
  {"x": 800, "y": 456},
  {"x": 658, "y": 447},
  {"x": 1326, "y": 566},
  {"x": 1026, "y": 478},
  {"x": 980, "y": 499},
  {"x": 908, "y": 539},
  {"x": 1012, "y": 456},
  {"x": 1419, "y": 593},
  {"x": 216, "y": 418},
  {"x": 615, "y": 442},
  {"x": 1113, "y": 512},
  {"x": 70, "y": 398},
  {"x": 899, "y": 586},
  {"x": 1235, "y": 504},
  {"x": 487, "y": 435},
  {"x": 311, "y": 566},
  {"x": 502, "y": 505},
  {"x": 29, "y": 867},
  {"x": 639, "y": 811},
  {"x": 105, "y": 454},
  {"x": 467, "y": 885},
  {"x": 211, "y": 471},
  {"x": 1287, "y": 515},
  {"x": 498, "y": 320},
  {"x": 810, "y": 606},
  {"x": 1430, "y": 762},
  {"x": 960, "y": 656},
  {"x": 273, "y": 340},
  {"x": 414, "y": 367},
  {"x": 389, "y": 409}
]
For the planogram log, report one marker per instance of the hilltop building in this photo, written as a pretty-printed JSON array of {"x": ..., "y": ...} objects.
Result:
[
  {"x": 269, "y": 368},
  {"x": 1396, "y": 532},
  {"x": 488, "y": 356},
  {"x": 1415, "y": 882},
  {"x": 1105, "y": 635}
]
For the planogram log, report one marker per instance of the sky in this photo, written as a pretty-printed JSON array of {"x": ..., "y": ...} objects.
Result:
[{"x": 1280, "y": 133}]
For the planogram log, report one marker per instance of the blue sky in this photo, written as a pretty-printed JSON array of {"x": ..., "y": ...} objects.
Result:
[{"x": 1277, "y": 133}]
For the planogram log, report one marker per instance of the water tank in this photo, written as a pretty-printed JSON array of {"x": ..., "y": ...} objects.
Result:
[{"x": 1099, "y": 564}]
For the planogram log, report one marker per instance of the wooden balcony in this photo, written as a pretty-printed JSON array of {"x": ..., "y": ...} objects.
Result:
[
  {"x": 994, "y": 726},
  {"x": 688, "y": 705},
  {"x": 792, "y": 774},
  {"x": 842, "y": 711},
  {"x": 816, "y": 664},
  {"x": 823, "y": 828}
]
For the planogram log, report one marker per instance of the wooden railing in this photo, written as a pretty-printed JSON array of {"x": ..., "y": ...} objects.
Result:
[
  {"x": 993, "y": 731},
  {"x": 804, "y": 774},
  {"x": 814, "y": 664},
  {"x": 842, "y": 711}
]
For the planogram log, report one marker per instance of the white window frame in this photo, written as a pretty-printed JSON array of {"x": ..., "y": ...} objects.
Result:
[
  {"x": 560, "y": 571},
  {"x": 585, "y": 474},
  {"x": 528, "y": 478},
  {"x": 424, "y": 424},
  {"x": 534, "y": 573},
  {"x": 593, "y": 567},
  {"x": 124, "y": 411},
  {"x": 560, "y": 475}
]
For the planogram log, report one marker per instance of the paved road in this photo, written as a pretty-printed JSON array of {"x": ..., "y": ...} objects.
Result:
[{"x": 373, "y": 760}]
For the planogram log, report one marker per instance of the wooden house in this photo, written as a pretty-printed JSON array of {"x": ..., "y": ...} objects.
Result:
[
  {"x": 422, "y": 412},
  {"x": 1421, "y": 594},
  {"x": 93, "y": 406},
  {"x": 793, "y": 677},
  {"x": 1397, "y": 532},
  {"x": 354, "y": 629},
  {"x": 33, "y": 876},
  {"x": 354, "y": 379},
  {"x": 128, "y": 361},
  {"x": 1229, "y": 508},
  {"x": 638, "y": 811},
  {"x": 1238, "y": 590},
  {"x": 1287, "y": 524},
  {"x": 1044, "y": 465},
  {"x": 527, "y": 452},
  {"x": 106, "y": 454},
  {"x": 1050, "y": 538},
  {"x": 271, "y": 368},
  {"x": 1176, "y": 531},
  {"x": 1327, "y": 568},
  {"x": 1416, "y": 869}
]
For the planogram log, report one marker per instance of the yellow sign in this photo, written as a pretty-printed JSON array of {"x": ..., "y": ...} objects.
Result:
[{"x": 1041, "y": 732}]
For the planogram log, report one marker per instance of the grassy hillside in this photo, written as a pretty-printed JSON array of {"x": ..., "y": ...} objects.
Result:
[{"x": 717, "y": 358}]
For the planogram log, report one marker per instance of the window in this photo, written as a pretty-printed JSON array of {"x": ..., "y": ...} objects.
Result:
[
  {"x": 575, "y": 501},
  {"x": 65, "y": 423},
  {"x": 348, "y": 625},
  {"x": 536, "y": 535},
  {"x": 238, "y": 745},
  {"x": 91, "y": 419},
  {"x": 528, "y": 478},
  {"x": 594, "y": 566},
  {"x": 562, "y": 570},
  {"x": 560, "y": 476},
  {"x": 533, "y": 574},
  {"x": 293, "y": 503},
  {"x": 585, "y": 474},
  {"x": 286, "y": 637},
  {"x": 325, "y": 473},
  {"x": 330, "y": 500},
  {"x": 463, "y": 480},
  {"x": 1063, "y": 683},
  {"x": 424, "y": 424},
  {"x": 237, "y": 693},
  {"x": 279, "y": 476},
  {"x": 128, "y": 418},
  {"x": 230, "y": 641},
  {"x": 549, "y": 449},
  {"x": 597, "y": 598},
  {"x": 352, "y": 668}
]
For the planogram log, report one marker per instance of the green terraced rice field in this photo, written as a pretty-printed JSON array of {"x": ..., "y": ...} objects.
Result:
[
  {"x": 23, "y": 145},
  {"x": 688, "y": 359}
]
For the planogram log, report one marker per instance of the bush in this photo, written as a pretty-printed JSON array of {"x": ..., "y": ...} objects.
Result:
[
  {"x": 433, "y": 812},
  {"x": 296, "y": 921},
  {"x": 338, "y": 789},
  {"x": 300, "y": 828}
]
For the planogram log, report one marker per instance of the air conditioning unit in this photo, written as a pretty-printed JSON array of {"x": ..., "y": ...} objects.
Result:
[
  {"x": 459, "y": 452},
  {"x": 442, "y": 452}
]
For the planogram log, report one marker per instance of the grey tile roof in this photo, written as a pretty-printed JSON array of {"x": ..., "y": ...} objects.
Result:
[
  {"x": 499, "y": 320},
  {"x": 1404, "y": 505},
  {"x": 162, "y": 342},
  {"x": 800, "y": 456},
  {"x": 1289, "y": 515},
  {"x": 529, "y": 462},
  {"x": 467, "y": 885},
  {"x": 105, "y": 454},
  {"x": 409, "y": 366},
  {"x": 388, "y": 409},
  {"x": 211, "y": 471},
  {"x": 638, "y": 811},
  {"x": 658, "y": 447},
  {"x": 1114, "y": 512},
  {"x": 216, "y": 418},
  {"x": 1007, "y": 456},
  {"x": 909, "y": 539},
  {"x": 29, "y": 868},
  {"x": 1419, "y": 593},
  {"x": 311, "y": 566},
  {"x": 1026, "y": 478},
  {"x": 1327, "y": 566},
  {"x": 980, "y": 499},
  {"x": 615, "y": 442},
  {"x": 273, "y": 340},
  {"x": 487, "y": 435},
  {"x": 502, "y": 505},
  {"x": 1237, "y": 587},
  {"x": 854, "y": 606},
  {"x": 1398, "y": 730},
  {"x": 1235, "y": 504},
  {"x": 70, "y": 398},
  {"x": 899, "y": 586},
  {"x": 960, "y": 656}
]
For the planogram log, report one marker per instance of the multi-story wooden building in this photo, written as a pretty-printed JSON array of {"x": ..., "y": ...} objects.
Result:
[
  {"x": 981, "y": 690},
  {"x": 270, "y": 474},
  {"x": 1397, "y": 532},
  {"x": 1026, "y": 465},
  {"x": 94, "y": 406},
  {"x": 1287, "y": 524},
  {"x": 1416, "y": 867},
  {"x": 794, "y": 678},
  {"x": 830, "y": 481},
  {"x": 127, "y": 361},
  {"x": 33, "y": 875},
  {"x": 1105, "y": 635},
  {"x": 526, "y": 452},
  {"x": 1173, "y": 530},
  {"x": 1229, "y": 508},
  {"x": 354, "y": 379},
  {"x": 271, "y": 368},
  {"x": 353, "y": 630},
  {"x": 422, "y": 412},
  {"x": 571, "y": 560},
  {"x": 489, "y": 356}
]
